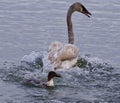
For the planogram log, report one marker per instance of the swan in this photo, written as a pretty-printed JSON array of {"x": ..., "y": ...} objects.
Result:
[{"x": 66, "y": 55}]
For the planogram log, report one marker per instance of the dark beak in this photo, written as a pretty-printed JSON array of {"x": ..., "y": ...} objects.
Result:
[{"x": 86, "y": 12}]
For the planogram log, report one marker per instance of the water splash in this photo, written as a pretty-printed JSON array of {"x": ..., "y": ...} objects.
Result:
[
  {"x": 92, "y": 77},
  {"x": 36, "y": 65}
]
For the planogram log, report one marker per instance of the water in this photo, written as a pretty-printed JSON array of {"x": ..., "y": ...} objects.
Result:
[{"x": 31, "y": 25}]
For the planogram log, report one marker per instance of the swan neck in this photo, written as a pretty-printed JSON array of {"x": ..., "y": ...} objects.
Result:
[{"x": 70, "y": 27}]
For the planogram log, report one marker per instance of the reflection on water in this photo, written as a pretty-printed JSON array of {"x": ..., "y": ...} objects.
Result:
[{"x": 31, "y": 25}]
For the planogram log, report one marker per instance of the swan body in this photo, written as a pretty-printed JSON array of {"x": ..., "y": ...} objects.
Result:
[
  {"x": 63, "y": 55},
  {"x": 66, "y": 55}
]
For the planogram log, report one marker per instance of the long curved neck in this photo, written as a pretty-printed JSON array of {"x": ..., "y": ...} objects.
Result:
[{"x": 70, "y": 27}]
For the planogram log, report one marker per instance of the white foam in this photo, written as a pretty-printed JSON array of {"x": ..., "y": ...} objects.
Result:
[
  {"x": 36, "y": 74},
  {"x": 93, "y": 60},
  {"x": 31, "y": 57}
]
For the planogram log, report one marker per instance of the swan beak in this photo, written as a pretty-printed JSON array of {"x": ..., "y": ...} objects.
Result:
[{"x": 87, "y": 13}]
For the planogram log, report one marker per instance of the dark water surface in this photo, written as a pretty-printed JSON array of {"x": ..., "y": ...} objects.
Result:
[{"x": 27, "y": 26}]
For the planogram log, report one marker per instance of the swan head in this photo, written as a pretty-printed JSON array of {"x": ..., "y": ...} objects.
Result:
[{"x": 80, "y": 8}]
